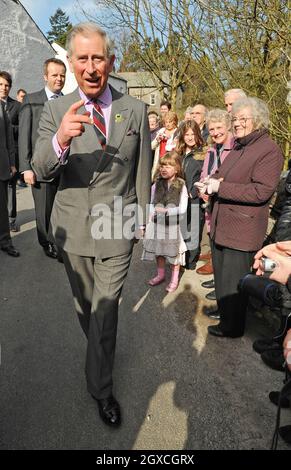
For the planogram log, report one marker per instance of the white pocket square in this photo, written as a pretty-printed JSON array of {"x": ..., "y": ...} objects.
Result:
[{"x": 132, "y": 132}]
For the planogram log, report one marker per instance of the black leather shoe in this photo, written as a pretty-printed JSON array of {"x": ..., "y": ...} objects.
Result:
[
  {"x": 214, "y": 314},
  {"x": 109, "y": 411},
  {"x": 51, "y": 251},
  {"x": 211, "y": 295},
  {"x": 274, "y": 398},
  {"x": 265, "y": 344},
  {"x": 215, "y": 330},
  {"x": 208, "y": 284},
  {"x": 285, "y": 433},
  {"x": 10, "y": 250},
  {"x": 274, "y": 358}
]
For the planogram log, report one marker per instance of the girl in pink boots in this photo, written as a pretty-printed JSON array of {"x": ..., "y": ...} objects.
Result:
[{"x": 163, "y": 238}]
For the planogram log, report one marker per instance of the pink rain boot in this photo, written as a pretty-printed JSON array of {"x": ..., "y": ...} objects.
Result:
[
  {"x": 174, "y": 281},
  {"x": 159, "y": 278}
]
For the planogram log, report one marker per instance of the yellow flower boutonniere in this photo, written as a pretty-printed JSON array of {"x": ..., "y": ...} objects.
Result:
[{"x": 119, "y": 118}]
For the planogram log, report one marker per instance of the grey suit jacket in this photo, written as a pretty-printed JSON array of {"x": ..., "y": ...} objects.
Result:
[
  {"x": 7, "y": 155},
  {"x": 29, "y": 117},
  {"x": 92, "y": 178}
]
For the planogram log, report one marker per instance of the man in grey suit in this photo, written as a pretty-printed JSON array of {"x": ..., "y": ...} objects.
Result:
[
  {"x": 98, "y": 140},
  {"x": 7, "y": 169},
  {"x": 43, "y": 191}
]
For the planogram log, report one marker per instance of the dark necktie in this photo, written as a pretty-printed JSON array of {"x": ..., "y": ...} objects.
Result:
[
  {"x": 99, "y": 124},
  {"x": 4, "y": 105},
  {"x": 54, "y": 97}
]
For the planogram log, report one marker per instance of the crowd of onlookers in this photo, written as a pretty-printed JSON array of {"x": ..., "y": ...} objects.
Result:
[{"x": 231, "y": 169}]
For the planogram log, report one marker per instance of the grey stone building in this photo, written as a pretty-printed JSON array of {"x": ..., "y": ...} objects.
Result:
[
  {"x": 144, "y": 86},
  {"x": 24, "y": 47}
]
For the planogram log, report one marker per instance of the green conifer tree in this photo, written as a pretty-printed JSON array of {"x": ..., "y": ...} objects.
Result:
[{"x": 60, "y": 26}]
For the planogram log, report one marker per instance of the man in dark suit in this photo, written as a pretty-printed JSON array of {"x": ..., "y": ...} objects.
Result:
[
  {"x": 98, "y": 140},
  {"x": 7, "y": 169},
  {"x": 43, "y": 191},
  {"x": 12, "y": 107}
]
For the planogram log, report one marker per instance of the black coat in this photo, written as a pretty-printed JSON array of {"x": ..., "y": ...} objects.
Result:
[
  {"x": 192, "y": 170},
  {"x": 13, "y": 108},
  {"x": 283, "y": 224}
]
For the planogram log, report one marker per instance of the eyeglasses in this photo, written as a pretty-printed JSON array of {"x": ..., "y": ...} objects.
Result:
[{"x": 241, "y": 120}]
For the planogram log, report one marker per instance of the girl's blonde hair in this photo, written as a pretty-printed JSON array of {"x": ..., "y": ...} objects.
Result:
[{"x": 173, "y": 159}]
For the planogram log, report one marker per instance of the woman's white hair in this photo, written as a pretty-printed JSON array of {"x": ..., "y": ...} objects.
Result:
[
  {"x": 218, "y": 115},
  {"x": 86, "y": 29},
  {"x": 258, "y": 109}
]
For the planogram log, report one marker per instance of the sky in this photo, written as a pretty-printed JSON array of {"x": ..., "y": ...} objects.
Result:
[{"x": 41, "y": 10}]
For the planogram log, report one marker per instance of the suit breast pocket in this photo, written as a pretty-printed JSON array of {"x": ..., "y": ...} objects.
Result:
[{"x": 129, "y": 146}]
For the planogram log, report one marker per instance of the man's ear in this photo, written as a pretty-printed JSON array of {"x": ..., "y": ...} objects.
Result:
[
  {"x": 70, "y": 64},
  {"x": 111, "y": 63}
]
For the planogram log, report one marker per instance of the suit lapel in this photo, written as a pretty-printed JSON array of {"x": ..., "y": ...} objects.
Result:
[
  {"x": 118, "y": 122},
  {"x": 118, "y": 126},
  {"x": 43, "y": 96}
]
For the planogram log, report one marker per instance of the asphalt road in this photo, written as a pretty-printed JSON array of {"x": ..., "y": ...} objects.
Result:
[{"x": 178, "y": 387}]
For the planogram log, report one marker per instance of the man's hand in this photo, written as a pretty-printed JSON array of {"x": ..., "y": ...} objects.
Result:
[
  {"x": 29, "y": 177},
  {"x": 13, "y": 170},
  {"x": 280, "y": 253},
  {"x": 72, "y": 124}
]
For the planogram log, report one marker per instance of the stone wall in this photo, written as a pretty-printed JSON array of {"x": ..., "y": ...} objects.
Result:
[{"x": 23, "y": 47}]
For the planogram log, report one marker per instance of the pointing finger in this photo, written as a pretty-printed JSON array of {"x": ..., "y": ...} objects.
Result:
[{"x": 75, "y": 106}]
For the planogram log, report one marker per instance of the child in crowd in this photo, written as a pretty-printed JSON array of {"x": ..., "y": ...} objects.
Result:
[{"x": 163, "y": 238}]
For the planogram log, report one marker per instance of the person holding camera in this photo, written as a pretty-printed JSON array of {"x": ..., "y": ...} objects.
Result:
[
  {"x": 165, "y": 140},
  {"x": 276, "y": 258},
  {"x": 241, "y": 190}
]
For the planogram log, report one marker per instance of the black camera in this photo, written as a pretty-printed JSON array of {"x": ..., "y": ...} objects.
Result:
[{"x": 269, "y": 292}]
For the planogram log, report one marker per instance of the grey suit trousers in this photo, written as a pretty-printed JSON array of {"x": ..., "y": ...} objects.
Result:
[
  {"x": 44, "y": 196},
  {"x": 96, "y": 285}
]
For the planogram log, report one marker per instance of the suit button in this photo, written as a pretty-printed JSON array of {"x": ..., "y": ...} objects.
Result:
[{"x": 125, "y": 159}]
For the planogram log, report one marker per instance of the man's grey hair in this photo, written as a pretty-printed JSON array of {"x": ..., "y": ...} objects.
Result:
[
  {"x": 236, "y": 91},
  {"x": 258, "y": 110},
  {"x": 218, "y": 115},
  {"x": 189, "y": 109},
  {"x": 87, "y": 29}
]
